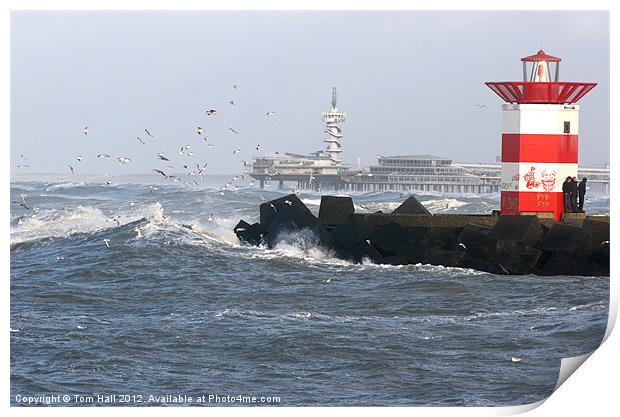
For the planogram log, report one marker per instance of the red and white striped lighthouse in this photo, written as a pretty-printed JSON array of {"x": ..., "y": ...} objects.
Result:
[{"x": 540, "y": 131}]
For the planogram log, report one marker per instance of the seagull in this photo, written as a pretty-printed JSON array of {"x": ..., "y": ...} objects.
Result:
[
  {"x": 154, "y": 188},
  {"x": 262, "y": 197},
  {"x": 211, "y": 217},
  {"x": 236, "y": 151},
  {"x": 257, "y": 146},
  {"x": 233, "y": 130},
  {"x": 116, "y": 220},
  {"x": 103, "y": 155},
  {"x": 270, "y": 113},
  {"x": 232, "y": 102},
  {"x": 462, "y": 245},
  {"x": 79, "y": 158},
  {"x": 481, "y": 106},
  {"x": 140, "y": 140},
  {"x": 148, "y": 133},
  {"x": 515, "y": 360},
  {"x": 160, "y": 172},
  {"x": 123, "y": 160},
  {"x": 235, "y": 86},
  {"x": 368, "y": 241},
  {"x": 288, "y": 202},
  {"x": 211, "y": 112},
  {"x": 60, "y": 258},
  {"x": 108, "y": 182},
  {"x": 21, "y": 155},
  {"x": 273, "y": 207},
  {"x": 23, "y": 166},
  {"x": 328, "y": 280},
  {"x": 131, "y": 204},
  {"x": 23, "y": 204},
  {"x": 200, "y": 130},
  {"x": 107, "y": 242},
  {"x": 71, "y": 168},
  {"x": 162, "y": 157},
  {"x": 138, "y": 231},
  {"x": 85, "y": 130}
]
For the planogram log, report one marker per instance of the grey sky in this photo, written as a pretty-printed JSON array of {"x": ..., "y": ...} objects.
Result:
[{"x": 409, "y": 82}]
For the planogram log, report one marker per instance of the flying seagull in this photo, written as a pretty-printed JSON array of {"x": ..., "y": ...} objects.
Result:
[
  {"x": 85, "y": 130},
  {"x": 79, "y": 158},
  {"x": 200, "y": 130},
  {"x": 123, "y": 160},
  {"x": 23, "y": 166},
  {"x": 236, "y": 151},
  {"x": 257, "y": 146},
  {"x": 481, "y": 106},
  {"x": 103, "y": 155},
  {"x": 107, "y": 242},
  {"x": 159, "y": 171},
  {"x": 162, "y": 157},
  {"x": 148, "y": 133},
  {"x": 232, "y": 102},
  {"x": 211, "y": 112},
  {"x": 233, "y": 130},
  {"x": 235, "y": 86},
  {"x": 140, "y": 140},
  {"x": 270, "y": 113},
  {"x": 71, "y": 168}
]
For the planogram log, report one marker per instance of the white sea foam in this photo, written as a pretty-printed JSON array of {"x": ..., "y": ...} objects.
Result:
[
  {"x": 443, "y": 205},
  {"x": 79, "y": 219}
]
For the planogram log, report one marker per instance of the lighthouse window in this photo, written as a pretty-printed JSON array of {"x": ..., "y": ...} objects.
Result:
[{"x": 566, "y": 127}]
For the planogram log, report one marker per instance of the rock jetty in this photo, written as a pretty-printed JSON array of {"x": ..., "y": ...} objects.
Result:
[{"x": 578, "y": 245}]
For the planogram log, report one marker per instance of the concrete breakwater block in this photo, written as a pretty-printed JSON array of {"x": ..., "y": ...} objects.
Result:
[
  {"x": 568, "y": 238},
  {"x": 520, "y": 229},
  {"x": 355, "y": 230},
  {"x": 505, "y": 245},
  {"x": 393, "y": 239},
  {"x": 335, "y": 210},
  {"x": 411, "y": 206},
  {"x": 566, "y": 263},
  {"x": 270, "y": 209},
  {"x": 516, "y": 258},
  {"x": 249, "y": 233}
]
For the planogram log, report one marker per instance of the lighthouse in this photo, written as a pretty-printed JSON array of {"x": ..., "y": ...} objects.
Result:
[{"x": 540, "y": 129}]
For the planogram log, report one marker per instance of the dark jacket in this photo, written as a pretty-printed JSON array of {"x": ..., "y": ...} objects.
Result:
[
  {"x": 572, "y": 186},
  {"x": 582, "y": 187},
  {"x": 566, "y": 187}
]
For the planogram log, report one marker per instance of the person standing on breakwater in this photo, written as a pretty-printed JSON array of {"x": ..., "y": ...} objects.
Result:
[
  {"x": 582, "y": 193},
  {"x": 573, "y": 194},
  {"x": 566, "y": 192}
]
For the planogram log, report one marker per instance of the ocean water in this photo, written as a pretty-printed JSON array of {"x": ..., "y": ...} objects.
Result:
[{"x": 132, "y": 291}]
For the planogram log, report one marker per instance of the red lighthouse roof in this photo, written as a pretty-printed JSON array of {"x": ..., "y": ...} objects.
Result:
[{"x": 541, "y": 56}]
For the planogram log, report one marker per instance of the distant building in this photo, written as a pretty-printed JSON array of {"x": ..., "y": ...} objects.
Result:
[{"x": 422, "y": 173}]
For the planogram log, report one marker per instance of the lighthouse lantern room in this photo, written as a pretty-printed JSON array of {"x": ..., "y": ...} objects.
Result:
[{"x": 540, "y": 128}]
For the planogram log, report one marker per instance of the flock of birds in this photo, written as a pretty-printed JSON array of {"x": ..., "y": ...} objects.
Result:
[{"x": 186, "y": 151}]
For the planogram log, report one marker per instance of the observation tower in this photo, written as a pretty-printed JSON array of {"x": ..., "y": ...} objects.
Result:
[{"x": 332, "y": 118}]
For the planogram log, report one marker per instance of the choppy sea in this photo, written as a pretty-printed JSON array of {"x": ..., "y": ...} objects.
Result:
[{"x": 133, "y": 290}]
